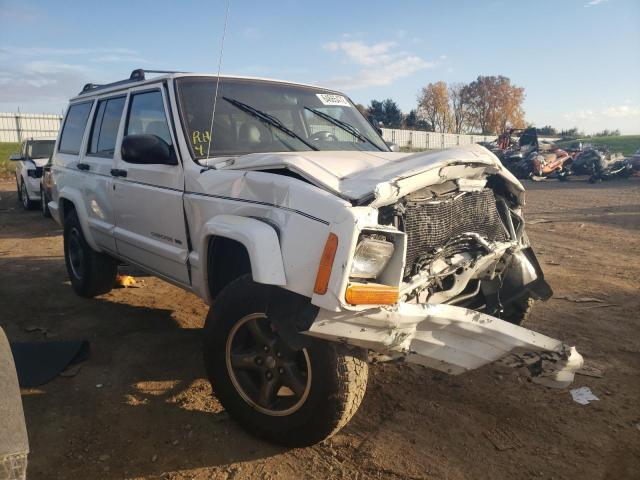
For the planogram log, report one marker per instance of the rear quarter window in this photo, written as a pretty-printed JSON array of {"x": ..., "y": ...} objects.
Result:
[{"x": 74, "y": 126}]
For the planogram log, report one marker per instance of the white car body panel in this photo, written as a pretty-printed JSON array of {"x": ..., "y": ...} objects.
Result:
[
  {"x": 260, "y": 240},
  {"x": 450, "y": 339}
]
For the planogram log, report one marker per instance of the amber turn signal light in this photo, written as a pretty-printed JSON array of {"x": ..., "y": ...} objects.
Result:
[
  {"x": 326, "y": 263},
  {"x": 371, "y": 294}
]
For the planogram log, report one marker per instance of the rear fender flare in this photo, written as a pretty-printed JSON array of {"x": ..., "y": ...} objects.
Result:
[{"x": 74, "y": 196}]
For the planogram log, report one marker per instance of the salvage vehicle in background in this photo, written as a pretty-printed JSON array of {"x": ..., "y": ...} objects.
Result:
[
  {"x": 600, "y": 164},
  {"x": 46, "y": 186},
  {"x": 34, "y": 154},
  {"x": 521, "y": 151},
  {"x": 315, "y": 245}
]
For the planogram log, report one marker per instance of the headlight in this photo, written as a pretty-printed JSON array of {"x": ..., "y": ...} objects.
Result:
[{"x": 372, "y": 255}]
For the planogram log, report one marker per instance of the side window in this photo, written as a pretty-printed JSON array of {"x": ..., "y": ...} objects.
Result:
[
  {"x": 73, "y": 128},
  {"x": 105, "y": 127},
  {"x": 146, "y": 116}
]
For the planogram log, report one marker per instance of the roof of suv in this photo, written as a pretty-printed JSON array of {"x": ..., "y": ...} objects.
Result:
[{"x": 138, "y": 78}]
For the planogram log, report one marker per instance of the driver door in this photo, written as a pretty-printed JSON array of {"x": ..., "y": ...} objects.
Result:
[{"x": 149, "y": 217}]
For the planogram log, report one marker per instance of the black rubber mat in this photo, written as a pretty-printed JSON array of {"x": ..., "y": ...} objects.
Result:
[{"x": 40, "y": 362}]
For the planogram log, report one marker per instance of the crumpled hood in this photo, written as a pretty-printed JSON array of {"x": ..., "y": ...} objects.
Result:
[{"x": 382, "y": 177}]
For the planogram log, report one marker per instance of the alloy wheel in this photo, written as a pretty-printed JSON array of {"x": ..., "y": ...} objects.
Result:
[{"x": 268, "y": 374}]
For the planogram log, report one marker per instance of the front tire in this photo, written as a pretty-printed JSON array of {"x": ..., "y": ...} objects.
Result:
[
  {"x": 24, "y": 197},
  {"x": 290, "y": 397},
  {"x": 44, "y": 207},
  {"x": 518, "y": 311},
  {"x": 91, "y": 273}
]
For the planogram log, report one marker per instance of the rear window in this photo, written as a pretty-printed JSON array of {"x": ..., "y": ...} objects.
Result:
[
  {"x": 105, "y": 127},
  {"x": 74, "y": 126}
]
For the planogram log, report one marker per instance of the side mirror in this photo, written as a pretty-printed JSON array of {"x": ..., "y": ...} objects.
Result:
[
  {"x": 16, "y": 157},
  {"x": 147, "y": 149},
  {"x": 393, "y": 146}
]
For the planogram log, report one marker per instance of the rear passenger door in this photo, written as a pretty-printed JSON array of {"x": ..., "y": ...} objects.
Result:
[
  {"x": 150, "y": 227},
  {"x": 97, "y": 163}
]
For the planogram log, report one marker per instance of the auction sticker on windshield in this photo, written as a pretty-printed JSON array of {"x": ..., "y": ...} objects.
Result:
[{"x": 332, "y": 99}]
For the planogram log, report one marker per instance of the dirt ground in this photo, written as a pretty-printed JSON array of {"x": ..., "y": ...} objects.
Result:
[{"x": 140, "y": 407}]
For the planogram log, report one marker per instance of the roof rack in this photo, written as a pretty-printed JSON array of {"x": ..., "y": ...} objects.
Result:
[{"x": 137, "y": 75}]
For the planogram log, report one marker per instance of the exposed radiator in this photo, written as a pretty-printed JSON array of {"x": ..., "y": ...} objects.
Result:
[{"x": 433, "y": 224}]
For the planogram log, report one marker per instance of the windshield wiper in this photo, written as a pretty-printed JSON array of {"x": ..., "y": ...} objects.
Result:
[
  {"x": 269, "y": 119},
  {"x": 345, "y": 126}
]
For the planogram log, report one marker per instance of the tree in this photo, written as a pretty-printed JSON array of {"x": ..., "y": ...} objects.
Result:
[
  {"x": 571, "y": 133},
  {"x": 460, "y": 107},
  {"x": 607, "y": 133},
  {"x": 495, "y": 104},
  {"x": 411, "y": 119},
  {"x": 392, "y": 114},
  {"x": 547, "y": 130},
  {"x": 386, "y": 112},
  {"x": 433, "y": 105},
  {"x": 375, "y": 111}
]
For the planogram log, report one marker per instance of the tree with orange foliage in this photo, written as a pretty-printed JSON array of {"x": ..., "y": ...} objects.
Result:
[
  {"x": 495, "y": 104},
  {"x": 433, "y": 106}
]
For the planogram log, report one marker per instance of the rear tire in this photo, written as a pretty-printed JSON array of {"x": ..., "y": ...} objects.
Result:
[
  {"x": 312, "y": 392},
  {"x": 91, "y": 273}
]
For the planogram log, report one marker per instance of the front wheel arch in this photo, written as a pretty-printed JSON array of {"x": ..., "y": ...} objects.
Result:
[{"x": 226, "y": 260}]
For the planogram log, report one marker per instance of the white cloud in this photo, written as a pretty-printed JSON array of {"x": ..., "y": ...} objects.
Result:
[
  {"x": 580, "y": 115},
  {"x": 380, "y": 63},
  {"x": 621, "y": 111},
  {"x": 46, "y": 66},
  {"x": 614, "y": 111},
  {"x": 42, "y": 51},
  {"x": 593, "y": 3}
]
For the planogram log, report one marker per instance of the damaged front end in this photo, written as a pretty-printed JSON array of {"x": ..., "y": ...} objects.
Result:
[{"x": 467, "y": 276}]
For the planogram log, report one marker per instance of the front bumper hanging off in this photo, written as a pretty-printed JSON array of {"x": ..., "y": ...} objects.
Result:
[{"x": 450, "y": 339}]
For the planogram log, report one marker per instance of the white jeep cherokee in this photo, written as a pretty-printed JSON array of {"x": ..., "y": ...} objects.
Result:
[{"x": 314, "y": 244}]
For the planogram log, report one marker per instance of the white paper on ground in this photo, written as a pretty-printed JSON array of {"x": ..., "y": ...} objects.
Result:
[{"x": 583, "y": 395}]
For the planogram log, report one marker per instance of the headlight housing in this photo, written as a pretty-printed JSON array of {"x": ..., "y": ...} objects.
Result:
[{"x": 371, "y": 257}]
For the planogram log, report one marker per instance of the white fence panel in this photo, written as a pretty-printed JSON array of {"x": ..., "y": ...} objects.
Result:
[
  {"x": 420, "y": 140},
  {"x": 15, "y": 127}
]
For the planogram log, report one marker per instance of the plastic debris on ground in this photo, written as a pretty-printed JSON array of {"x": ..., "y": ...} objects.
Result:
[
  {"x": 127, "y": 281},
  {"x": 583, "y": 395}
]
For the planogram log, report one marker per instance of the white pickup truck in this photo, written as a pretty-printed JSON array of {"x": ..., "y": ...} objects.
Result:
[{"x": 316, "y": 245}]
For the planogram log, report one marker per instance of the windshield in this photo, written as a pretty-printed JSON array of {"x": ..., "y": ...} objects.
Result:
[
  {"x": 40, "y": 148},
  {"x": 260, "y": 116}
]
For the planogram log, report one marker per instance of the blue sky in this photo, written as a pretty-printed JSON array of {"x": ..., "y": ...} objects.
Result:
[{"x": 578, "y": 60}]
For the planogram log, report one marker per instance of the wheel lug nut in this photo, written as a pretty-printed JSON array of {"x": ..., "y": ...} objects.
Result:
[
  {"x": 281, "y": 370},
  {"x": 279, "y": 354},
  {"x": 259, "y": 361},
  {"x": 269, "y": 375},
  {"x": 265, "y": 348}
]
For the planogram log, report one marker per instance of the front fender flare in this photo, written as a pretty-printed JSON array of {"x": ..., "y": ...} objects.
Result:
[{"x": 260, "y": 240}]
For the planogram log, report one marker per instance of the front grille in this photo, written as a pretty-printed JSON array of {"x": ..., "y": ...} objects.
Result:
[{"x": 433, "y": 224}]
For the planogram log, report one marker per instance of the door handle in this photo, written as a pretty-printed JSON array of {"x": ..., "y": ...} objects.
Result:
[
  {"x": 116, "y": 172},
  {"x": 84, "y": 166}
]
